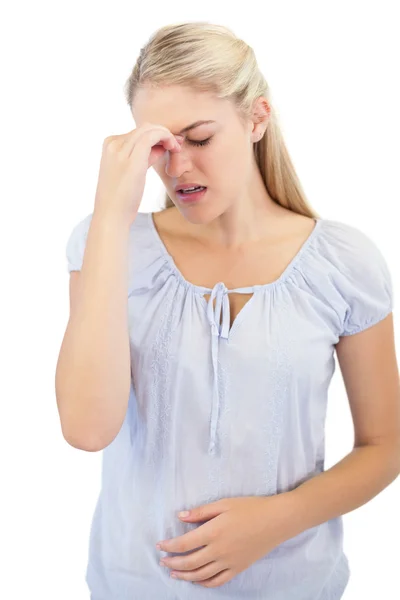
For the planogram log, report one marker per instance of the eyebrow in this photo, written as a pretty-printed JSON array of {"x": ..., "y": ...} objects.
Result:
[{"x": 193, "y": 125}]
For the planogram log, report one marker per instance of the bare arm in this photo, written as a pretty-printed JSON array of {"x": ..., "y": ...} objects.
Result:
[{"x": 93, "y": 368}]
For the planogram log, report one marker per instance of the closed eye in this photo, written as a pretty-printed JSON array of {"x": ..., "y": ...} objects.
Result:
[{"x": 200, "y": 143}]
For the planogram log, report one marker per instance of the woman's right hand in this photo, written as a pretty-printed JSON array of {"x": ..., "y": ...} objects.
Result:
[{"x": 124, "y": 163}]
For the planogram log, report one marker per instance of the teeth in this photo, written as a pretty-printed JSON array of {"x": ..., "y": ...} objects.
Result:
[{"x": 192, "y": 188}]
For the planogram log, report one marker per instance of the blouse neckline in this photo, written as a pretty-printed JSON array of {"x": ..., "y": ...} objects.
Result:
[{"x": 201, "y": 289}]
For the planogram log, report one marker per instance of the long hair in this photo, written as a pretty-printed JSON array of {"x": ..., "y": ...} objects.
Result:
[{"x": 211, "y": 58}]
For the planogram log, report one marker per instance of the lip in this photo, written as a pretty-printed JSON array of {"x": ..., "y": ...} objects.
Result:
[
  {"x": 192, "y": 198},
  {"x": 184, "y": 186}
]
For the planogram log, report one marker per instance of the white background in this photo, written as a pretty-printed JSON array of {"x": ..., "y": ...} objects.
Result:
[{"x": 333, "y": 75}]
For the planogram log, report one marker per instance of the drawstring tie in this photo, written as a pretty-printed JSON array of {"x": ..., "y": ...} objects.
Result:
[{"x": 219, "y": 293}]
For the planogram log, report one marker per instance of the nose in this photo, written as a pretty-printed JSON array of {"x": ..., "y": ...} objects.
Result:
[{"x": 177, "y": 162}]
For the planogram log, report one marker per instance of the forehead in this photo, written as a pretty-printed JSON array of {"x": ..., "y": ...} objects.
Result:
[{"x": 175, "y": 107}]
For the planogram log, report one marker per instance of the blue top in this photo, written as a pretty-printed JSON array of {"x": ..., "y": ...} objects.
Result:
[{"x": 217, "y": 412}]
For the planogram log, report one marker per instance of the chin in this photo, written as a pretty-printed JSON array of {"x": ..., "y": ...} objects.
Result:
[{"x": 199, "y": 215}]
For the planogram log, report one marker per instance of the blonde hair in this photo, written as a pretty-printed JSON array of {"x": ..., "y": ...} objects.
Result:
[{"x": 211, "y": 58}]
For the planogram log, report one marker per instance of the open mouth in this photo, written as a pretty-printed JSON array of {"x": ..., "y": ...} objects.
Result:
[
  {"x": 189, "y": 191},
  {"x": 190, "y": 196}
]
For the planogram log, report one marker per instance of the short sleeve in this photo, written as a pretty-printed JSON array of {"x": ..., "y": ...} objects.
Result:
[
  {"x": 367, "y": 283},
  {"x": 76, "y": 243}
]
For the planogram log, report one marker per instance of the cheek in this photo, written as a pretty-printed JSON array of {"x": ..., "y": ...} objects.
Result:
[{"x": 231, "y": 164}]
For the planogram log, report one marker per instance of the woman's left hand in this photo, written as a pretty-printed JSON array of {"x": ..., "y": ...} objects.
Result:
[{"x": 238, "y": 532}]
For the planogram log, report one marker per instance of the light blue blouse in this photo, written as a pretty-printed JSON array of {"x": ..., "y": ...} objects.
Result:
[{"x": 217, "y": 411}]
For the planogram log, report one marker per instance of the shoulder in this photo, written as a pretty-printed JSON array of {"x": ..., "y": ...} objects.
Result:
[
  {"x": 354, "y": 271},
  {"x": 80, "y": 229},
  {"x": 348, "y": 247},
  {"x": 76, "y": 243},
  {"x": 143, "y": 243},
  {"x": 141, "y": 226},
  {"x": 341, "y": 231}
]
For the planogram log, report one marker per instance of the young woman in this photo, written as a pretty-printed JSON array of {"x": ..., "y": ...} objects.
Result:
[{"x": 200, "y": 345}]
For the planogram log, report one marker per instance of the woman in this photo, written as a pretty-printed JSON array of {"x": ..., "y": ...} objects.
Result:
[{"x": 236, "y": 299}]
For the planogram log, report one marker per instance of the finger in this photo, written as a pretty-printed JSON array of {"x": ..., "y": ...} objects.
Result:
[
  {"x": 151, "y": 134},
  {"x": 189, "y": 562},
  {"x": 217, "y": 580},
  {"x": 205, "y": 572},
  {"x": 166, "y": 138},
  {"x": 194, "y": 539}
]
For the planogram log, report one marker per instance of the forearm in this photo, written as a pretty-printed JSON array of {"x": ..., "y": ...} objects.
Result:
[
  {"x": 93, "y": 369},
  {"x": 352, "y": 482}
]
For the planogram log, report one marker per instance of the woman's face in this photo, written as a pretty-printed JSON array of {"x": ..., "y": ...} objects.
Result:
[{"x": 217, "y": 155}]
